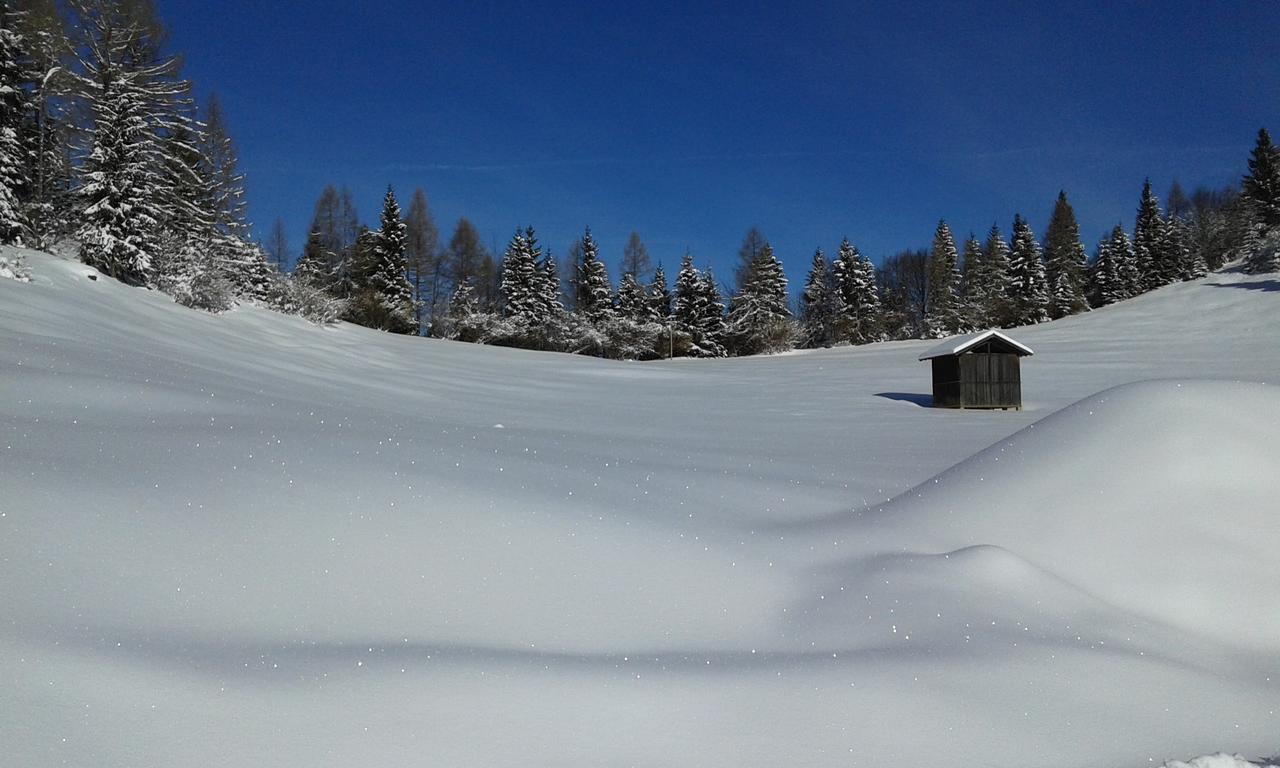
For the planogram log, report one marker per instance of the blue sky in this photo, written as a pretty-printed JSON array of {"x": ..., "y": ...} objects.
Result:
[{"x": 689, "y": 124}]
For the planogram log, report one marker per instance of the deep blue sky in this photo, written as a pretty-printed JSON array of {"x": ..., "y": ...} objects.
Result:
[{"x": 690, "y": 124}]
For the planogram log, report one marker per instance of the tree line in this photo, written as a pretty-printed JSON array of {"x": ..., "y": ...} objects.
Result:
[{"x": 103, "y": 145}]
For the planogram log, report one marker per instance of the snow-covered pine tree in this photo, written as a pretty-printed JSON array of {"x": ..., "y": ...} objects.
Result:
[
  {"x": 712, "y": 328},
  {"x": 133, "y": 95},
  {"x": 1178, "y": 246},
  {"x": 970, "y": 266},
  {"x": 14, "y": 182},
  {"x": 594, "y": 294},
  {"x": 1064, "y": 261},
  {"x": 1155, "y": 267},
  {"x": 553, "y": 329},
  {"x": 943, "y": 316},
  {"x": 1108, "y": 282},
  {"x": 386, "y": 298},
  {"x": 1026, "y": 276},
  {"x": 519, "y": 286},
  {"x": 857, "y": 303},
  {"x": 993, "y": 300},
  {"x": 759, "y": 320},
  {"x": 1259, "y": 222},
  {"x": 632, "y": 303},
  {"x": 46, "y": 130},
  {"x": 686, "y": 311},
  {"x": 816, "y": 321},
  {"x": 659, "y": 296},
  {"x": 1261, "y": 186}
]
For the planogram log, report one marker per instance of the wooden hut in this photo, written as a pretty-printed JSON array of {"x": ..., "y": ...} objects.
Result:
[{"x": 980, "y": 370}]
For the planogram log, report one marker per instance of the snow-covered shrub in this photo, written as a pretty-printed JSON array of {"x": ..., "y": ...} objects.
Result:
[
  {"x": 208, "y": 290},
  {"x": 309, "y": 302},
  {"x": 13, "y": 265}
]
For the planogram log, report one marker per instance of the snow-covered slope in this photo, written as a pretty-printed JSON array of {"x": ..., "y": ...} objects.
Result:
[{"x": 244, "y": 540}]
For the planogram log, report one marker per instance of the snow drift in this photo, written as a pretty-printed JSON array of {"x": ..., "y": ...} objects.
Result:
[{"x": 243, "y": 540}]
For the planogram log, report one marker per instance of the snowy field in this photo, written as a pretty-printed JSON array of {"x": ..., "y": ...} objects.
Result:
[{"x": 243, "y": 540}]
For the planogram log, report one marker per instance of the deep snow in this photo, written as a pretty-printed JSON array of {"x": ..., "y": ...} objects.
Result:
[{"x": 243, "y": 539}]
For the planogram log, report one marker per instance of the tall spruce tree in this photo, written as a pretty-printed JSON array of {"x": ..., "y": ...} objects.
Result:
[
  {"x": 991, "y": 286},
  {"x": 659, "y": 296},
  {"x": 632, "y": 303},
  {"x": 1261, "y": 186},
  {"x": 134, "y": 98},
  {"x": 753, "y": 243},
  {"x": 943, "y": 315},
  {"x": 857, "y": 300},
  {"x": 1026, "y": 276},
  {"x": 390, "y": 292},
  {"x": 1064, "y": 262},
  {"x": 46, "y": 133},
  {"x": 759, "y": 320},
  {"x": 817, "y": 325},
  {"x": 14, "y": 181},
  {"x": 1150, "y": 258},
  {"x": 592, "y": 289},
  {"x": 1110, "y": 274},
  {"x": 971, "y": 264},
  {"x": 712, "y": 327},
  {"x": 519, "y": 286}
]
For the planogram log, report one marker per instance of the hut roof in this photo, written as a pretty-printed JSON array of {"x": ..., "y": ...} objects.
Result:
[{"x": 957, "y": 345}]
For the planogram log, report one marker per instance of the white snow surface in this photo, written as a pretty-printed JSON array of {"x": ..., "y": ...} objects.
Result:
[
  {"x": 954, "y": 345},
  {"x": 246, "y": 540}
]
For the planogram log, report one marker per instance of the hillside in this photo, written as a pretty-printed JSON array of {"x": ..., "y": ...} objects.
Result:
[{"x": 246, "y": 540}]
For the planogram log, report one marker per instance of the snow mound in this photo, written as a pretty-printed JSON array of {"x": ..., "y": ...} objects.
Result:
[
  {"x": 1157, "y": 497},
  {"x": 1220, "y": 760}
]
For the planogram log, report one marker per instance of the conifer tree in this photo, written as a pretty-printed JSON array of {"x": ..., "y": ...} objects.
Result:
[
  {"x": 987, "y": 287},
  {"x": 1261, "y": 187},
  {"x": 45, "y": 135},
  {"x": 594, "y": 300},
  {"x": 1026, "y": 276},
  {"x": 1153, "y": 264},
  {"x": 548, "y": 284},
  {"x": 519, "y": 279},
  {"x": 632, "y": 303},
  {"x": 759, "y": 320},
  {"x": 943, "y": 316},
  {"x": 712, "y": 327},
  {"x": 753, "y": 243},
  {"x": 1064, "y": 262},
  {"x": 132, "y": 93},
  {"x": 971, "y": 266},
  {"x": 857, "y": 300},
  {"x": 390, "y": 293},
  {"x": 13, "y": 171},
  {"x": 686, "y": 312},
  {"x": 816, "y": 321},
  {"x": 1109, "y": 278},
  {"x": 659, "y": 297}
]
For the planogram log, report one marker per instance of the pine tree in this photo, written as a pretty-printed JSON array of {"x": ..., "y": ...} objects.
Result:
[
  {"x": 391, "y": 293},
  {"x": 816, "y": 321},
  {"x": 659, "y": 297},
  {"x": 989, "y": 284},
  {"x": 592, "y": 283},
  {"x": 1154, "y": 269},
  {"x": 133, "y": 95},
  {"x": 1064, "y": 262},
  {"x": 712, "y": 328},
  {"x": 1261, "y": 187},
  {"x": 856, "y": 301},
  {"x": 14, "y": 181},
  {"x": 1108, "y": 278},
  {"x": 47, "y": 128},
  {"x": 759, "y": 320},
  {"x": 943, "y": 316},
  {"x": 688, "y": 283},
  {"x": 632, "y": 303},
  {"x": 971, "y": 266},
  {"x": 550, "y": 303},
  {"x": 1026, "y": 276},
  {"x": 519, "y": 286}
]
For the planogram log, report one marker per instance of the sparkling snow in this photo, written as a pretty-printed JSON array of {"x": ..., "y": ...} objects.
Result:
[{"x": 245, "y": 540}]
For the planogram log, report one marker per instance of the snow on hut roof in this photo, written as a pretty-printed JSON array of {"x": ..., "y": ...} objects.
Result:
[{"x": 959, "y": 344}]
